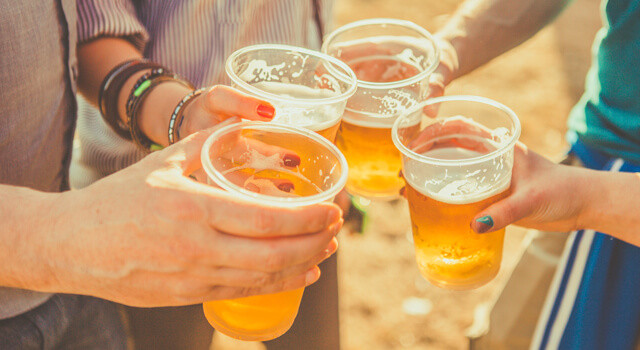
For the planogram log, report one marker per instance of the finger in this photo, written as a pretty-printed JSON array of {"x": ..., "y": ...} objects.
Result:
[
  {"x": 228, "y": 102},
  {"x": 233, "y": 277},
  {"x": 274, "y": 254},
  {"x": 500, "y": 214},
  {"x": 300, "y": 281},
  {"x": 185, "y": 155}
]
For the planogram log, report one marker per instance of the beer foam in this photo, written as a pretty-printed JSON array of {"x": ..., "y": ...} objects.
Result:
[
  {"x": 315, "y": 117},
  {"x": 458, "y": 185}
]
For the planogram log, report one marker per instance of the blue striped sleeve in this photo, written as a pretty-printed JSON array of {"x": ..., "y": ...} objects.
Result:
[{"x": 98, "y": 18}]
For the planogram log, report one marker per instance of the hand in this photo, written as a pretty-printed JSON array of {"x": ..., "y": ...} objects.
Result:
[
  {"x": 544, "y": 195},
  {"x": 220, "y": 103},
  {"x": 151, "y": 236}
]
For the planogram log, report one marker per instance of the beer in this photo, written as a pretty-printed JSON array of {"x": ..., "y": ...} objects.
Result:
[
  {"x": 455, "y": 166},
  {"x": 448, "y": 252},
  {"x": 247, "y": 159},
  {"x": 374, "y": 162},
  {"x": 261, "y": 317},
  {"x": 323, "y": 119},
  {"x": 392, "y": 60}
]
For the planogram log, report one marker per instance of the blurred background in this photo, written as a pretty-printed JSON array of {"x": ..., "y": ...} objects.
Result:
[{"x": 385, "y": 304}]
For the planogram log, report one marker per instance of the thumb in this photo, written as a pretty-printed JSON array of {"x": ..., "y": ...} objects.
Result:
[
  {"x": 185, "y": 155},
  {"x": 500, "y": 214},
  {"x": 228, "y": 102}
]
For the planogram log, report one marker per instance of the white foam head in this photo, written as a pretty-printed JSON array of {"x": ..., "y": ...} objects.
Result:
[{"x": 458, "y": 185}]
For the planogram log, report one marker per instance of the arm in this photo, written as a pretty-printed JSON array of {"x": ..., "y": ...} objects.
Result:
[
  {"x": 553, "y": 197},
  {"x": 481, "y": 30},
  {"x": 109, "y": 34}
]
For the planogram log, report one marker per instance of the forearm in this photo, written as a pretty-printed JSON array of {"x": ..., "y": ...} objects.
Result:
[
  {"x": 27, "y": 218},
  {"x": 97, "y": 58},
  {"x": 483, "y": 29},
  {"x": 612, "y": 205}
]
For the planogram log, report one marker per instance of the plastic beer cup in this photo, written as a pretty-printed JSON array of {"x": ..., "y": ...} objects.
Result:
[
  {"x": 392, "y": 60},
  {"x": 308, "y": 88},
  {"x": 243, "y": 159},
  {"x": 454, "y": 166}
]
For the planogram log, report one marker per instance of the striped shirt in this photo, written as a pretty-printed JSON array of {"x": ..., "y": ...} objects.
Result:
[{"x": 191, "y": 37}]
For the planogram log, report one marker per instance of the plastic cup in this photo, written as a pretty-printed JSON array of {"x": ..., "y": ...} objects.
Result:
[
  {"x": 308, "y": 88},
  {"x": 393, "y": 60},
  {"x": 246, "y": 160},
  {"x": 455, "y": 166}
]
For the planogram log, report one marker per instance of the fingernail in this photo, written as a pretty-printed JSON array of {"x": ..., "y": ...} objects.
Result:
[
  {"x": 252, "y": 187},
  {"x": 400, "y": 173},
  {"x": 485, "y": 224},
  {"x": 312, "y": 275},
  {"x": 286, "y": 187},
  {"x": 402, "y": 191},
  {"x": 266, "y": 111},
  {"x": 335, "y": 228},
  {"x": 291, "y": 160},
  {"x": 333, "y": 217}
]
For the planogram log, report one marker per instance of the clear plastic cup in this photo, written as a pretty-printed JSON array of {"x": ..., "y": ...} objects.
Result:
[
  {"x": 455, "y": 166},
  {"x": 393, "y": 60},
  {"x": 308, "y": 88},
  {"x": 246, "y": 159}
]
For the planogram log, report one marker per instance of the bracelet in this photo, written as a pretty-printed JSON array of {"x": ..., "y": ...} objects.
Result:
[
  {"x": 138, "y": 94},
  {"x": 177, "y": 117},
  {"x": 110, "y": 89}
]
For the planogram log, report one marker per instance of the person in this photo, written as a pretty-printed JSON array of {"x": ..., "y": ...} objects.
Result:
[
  {"x": 146, "y": 236},
  {"x": 593, "y": 302},
  {"x": 195, "y": 38}
]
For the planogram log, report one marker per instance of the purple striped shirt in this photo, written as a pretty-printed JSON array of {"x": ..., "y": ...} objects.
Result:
[{"x": 191, "y": 37}]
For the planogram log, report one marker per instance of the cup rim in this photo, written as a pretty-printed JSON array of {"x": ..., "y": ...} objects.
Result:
[
  {"x": 391, "y": 21},
  {"x": 247, "y": 195},
  {"x": 467, "y": 161},
  {"x": 349, "y": 77}
]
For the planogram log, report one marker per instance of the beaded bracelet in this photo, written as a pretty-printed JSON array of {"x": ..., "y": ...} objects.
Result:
[
  {"x": 110, "y": 90},
  {"x": 177, "y": 117},
  {"x": 140, "y": 91}
]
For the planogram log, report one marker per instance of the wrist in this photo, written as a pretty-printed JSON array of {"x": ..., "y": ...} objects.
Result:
[
  {"x": 157, "y": 108},
  {"x": 590, "y": 195}
]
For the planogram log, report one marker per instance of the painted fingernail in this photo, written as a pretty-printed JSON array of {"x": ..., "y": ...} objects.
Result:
[
  {"x": 266, "y": 111},
  {"x": 402, "y": 191},
  {"x": 400, "y": 173},
  {"x": 485, "y": 224},
  {"x": 291, "y": 160},
  {"x": 286, "y": 187}
]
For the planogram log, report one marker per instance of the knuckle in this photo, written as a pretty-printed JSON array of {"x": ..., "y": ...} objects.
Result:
[
  {"x": 274, "y": 261},
  {"x": 263, "y": 222},
  {"x": 264, "y": 279}
]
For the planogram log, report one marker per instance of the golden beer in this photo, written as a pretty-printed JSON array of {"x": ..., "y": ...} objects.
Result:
[
  {"x": 455, "y": 166},
  {"x": 392, "y": 60},
  {"x": 248, "y": 159},
  {"x": 261, "y": 317},
  {"x": 448, "y": 252}
]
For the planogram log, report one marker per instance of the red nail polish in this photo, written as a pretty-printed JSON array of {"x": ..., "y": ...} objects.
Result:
[
  {"x": 286, "y": 187},
  {"x": 266, "y": 111},
  {"x": 291, "y": 160}
]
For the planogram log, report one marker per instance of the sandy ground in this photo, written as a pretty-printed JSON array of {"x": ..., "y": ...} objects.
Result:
[{"x": 540, "y": 81}]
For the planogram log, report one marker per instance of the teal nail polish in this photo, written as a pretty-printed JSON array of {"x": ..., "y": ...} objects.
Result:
[{"x": 486, "y": 223}]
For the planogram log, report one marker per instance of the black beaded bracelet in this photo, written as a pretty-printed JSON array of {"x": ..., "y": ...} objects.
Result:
[
  {"x": 138, "y": 94},
  {"x": 110, "y": 90},
  {"x": 177, "y": 117}
]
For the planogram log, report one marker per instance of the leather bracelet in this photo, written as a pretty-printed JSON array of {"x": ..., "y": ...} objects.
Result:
[
  {"x": 177, "y": 117},
  {"x": 138, "y": 94},
  {"x": 110, "y": 90}
]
